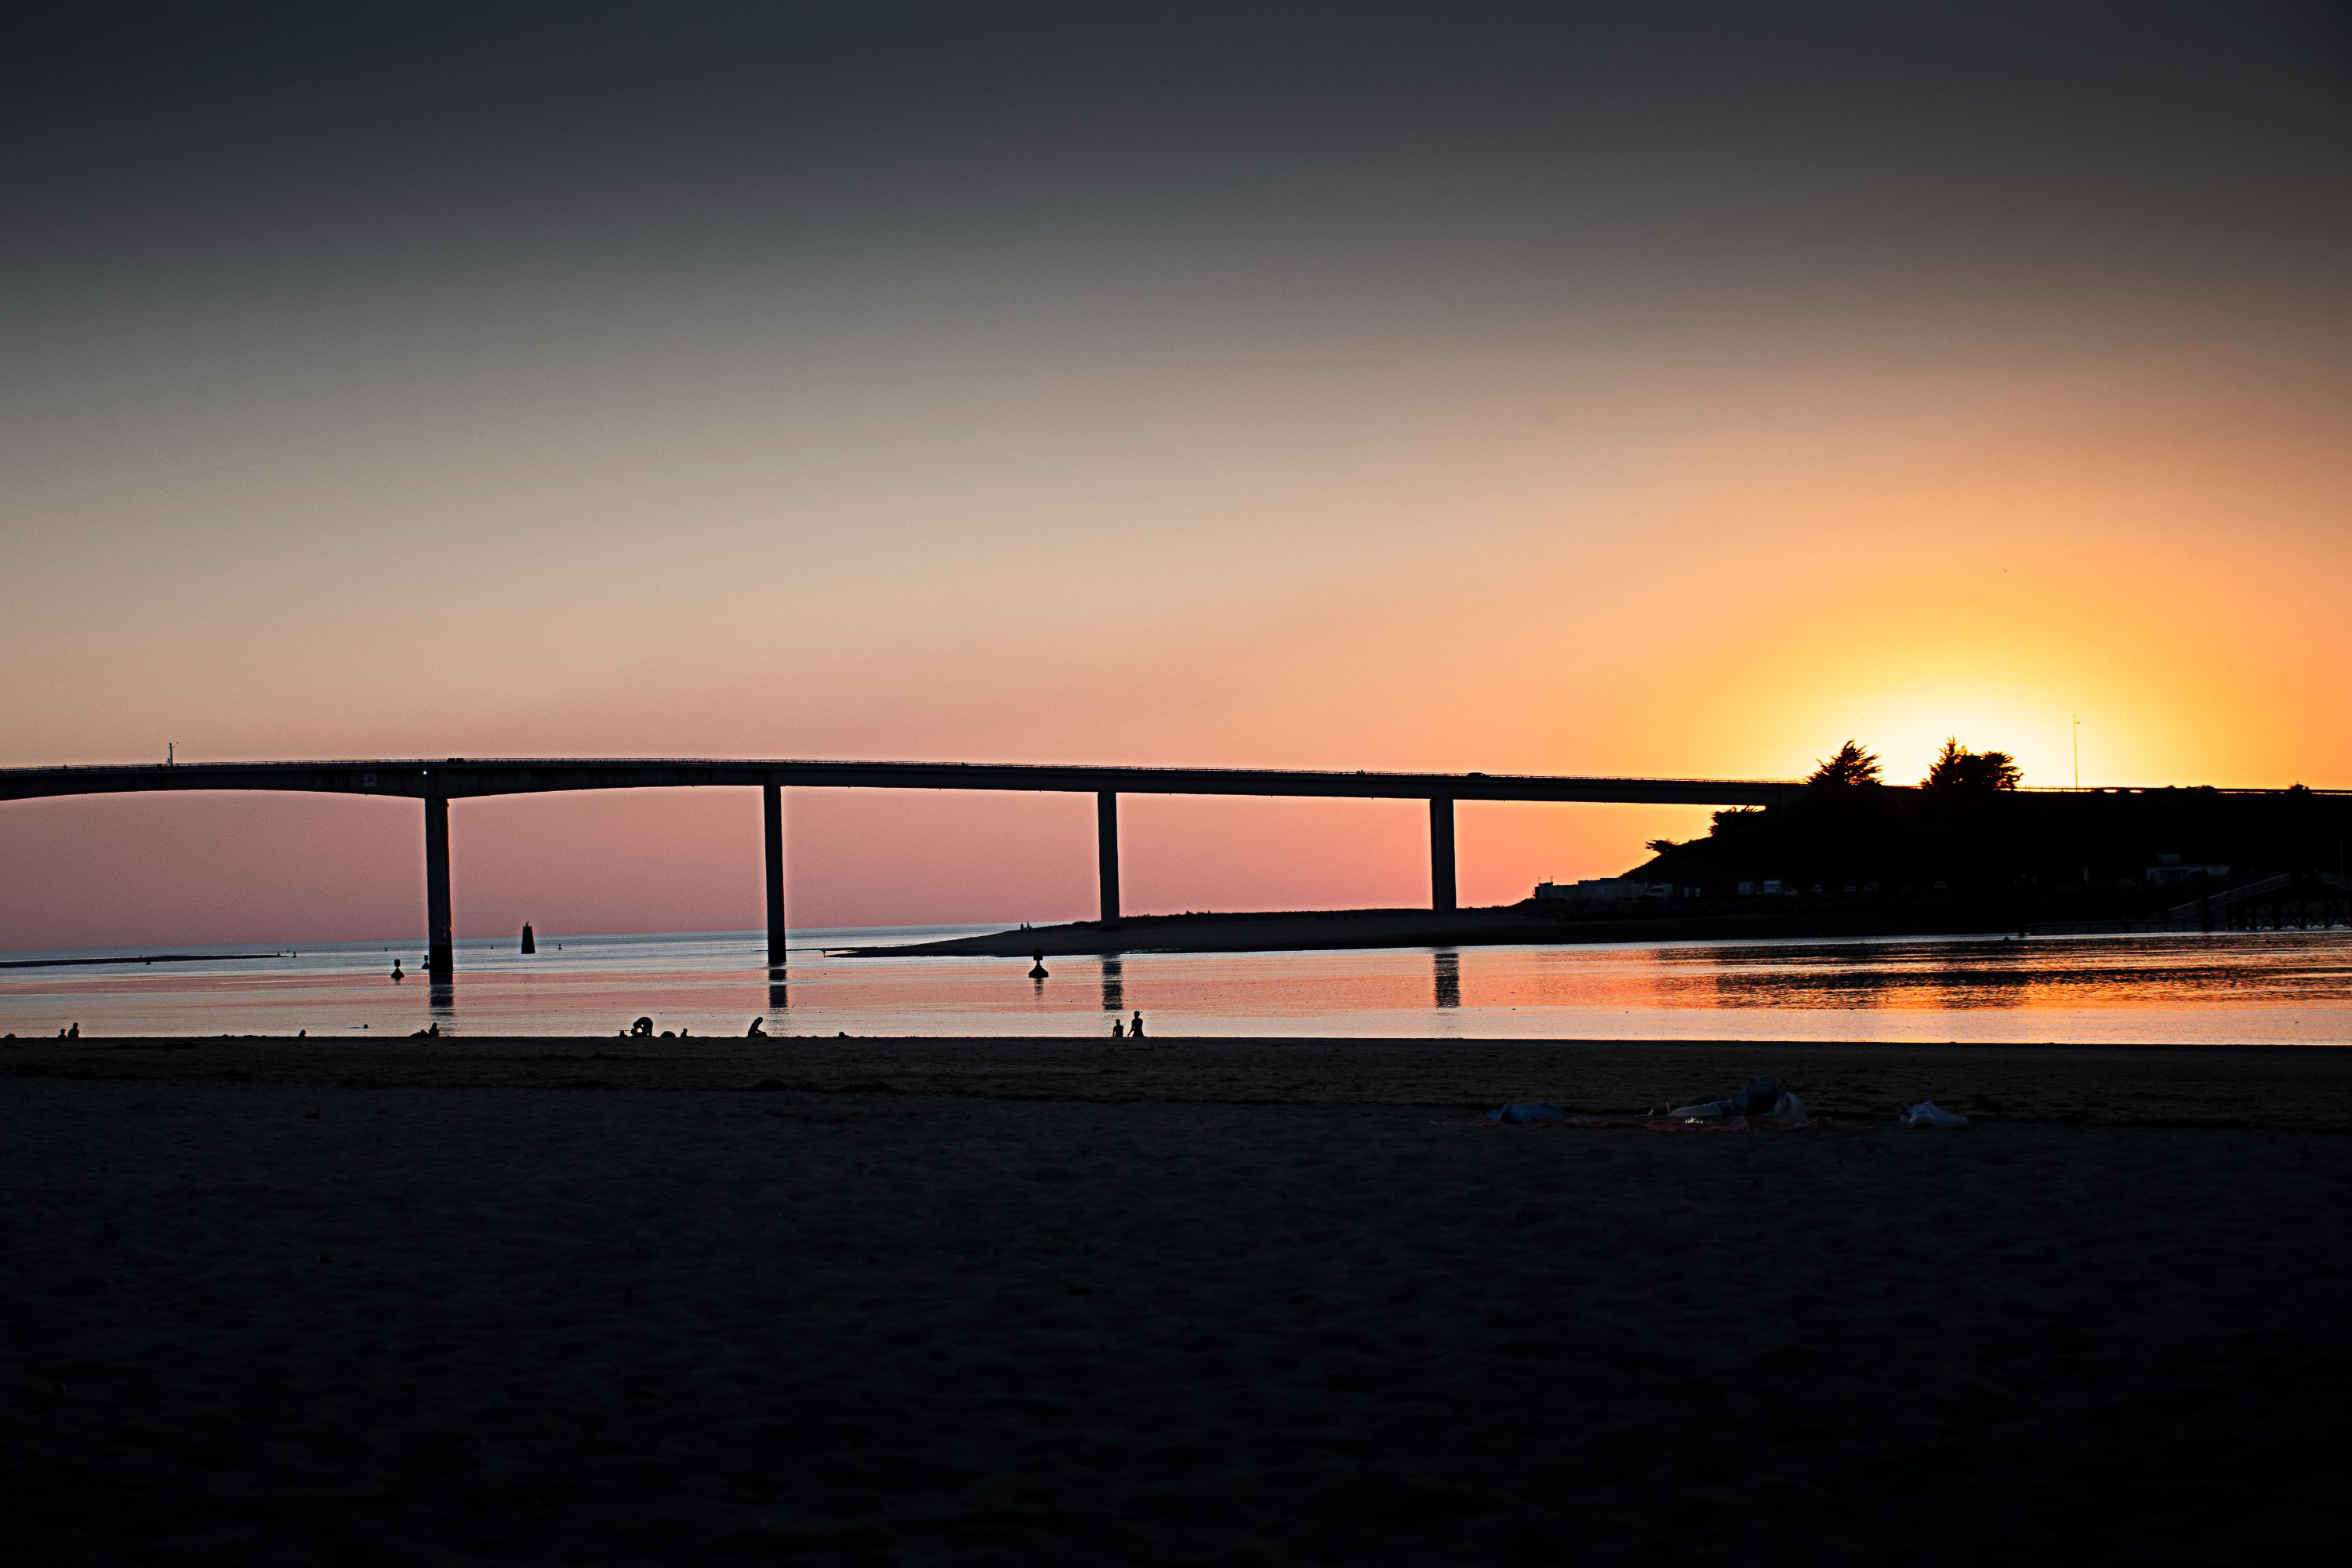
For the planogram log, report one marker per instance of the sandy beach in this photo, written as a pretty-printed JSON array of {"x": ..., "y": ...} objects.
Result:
[{"x": 1013, "y": 1310}]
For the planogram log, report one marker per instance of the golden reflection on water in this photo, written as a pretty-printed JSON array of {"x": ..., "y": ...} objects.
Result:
[{"x": 2002, "y": 972}]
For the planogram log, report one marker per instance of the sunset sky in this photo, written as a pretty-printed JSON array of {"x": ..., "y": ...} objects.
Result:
[{"x": 1614, "y": 389}]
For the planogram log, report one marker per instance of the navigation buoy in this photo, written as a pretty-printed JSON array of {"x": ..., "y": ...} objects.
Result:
[
  {"x": 530, "y": 944},
  {"x": 1038, "y": 971}
]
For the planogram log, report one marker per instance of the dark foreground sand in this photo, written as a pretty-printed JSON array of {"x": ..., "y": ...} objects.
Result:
[{"x": 259, "y": 1322}]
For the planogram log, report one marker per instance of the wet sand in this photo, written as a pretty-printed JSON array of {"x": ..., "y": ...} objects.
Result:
[
  {"x": 281, "y": 1306},
  {"x": 2279, "y": 1087}
]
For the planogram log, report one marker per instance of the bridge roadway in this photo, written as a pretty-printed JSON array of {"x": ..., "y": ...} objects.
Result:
[{"x": 436, "y": 783}]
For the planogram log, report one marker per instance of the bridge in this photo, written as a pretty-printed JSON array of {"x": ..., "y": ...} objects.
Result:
[{"x": 436, "y": 783}]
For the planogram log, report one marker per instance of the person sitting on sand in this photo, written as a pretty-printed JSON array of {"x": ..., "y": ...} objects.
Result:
[
  {"x": 1135, "y": 1030},
  {"x": 758, "y": 1031},
  {"x": 643, "y": 1030},
  {"x": 1118, "y": 1029},
  {"x": 74, "y": 1033}
]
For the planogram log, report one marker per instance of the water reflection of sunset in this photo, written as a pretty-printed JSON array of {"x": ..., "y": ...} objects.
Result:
[{"x": 2182, "y": 989}]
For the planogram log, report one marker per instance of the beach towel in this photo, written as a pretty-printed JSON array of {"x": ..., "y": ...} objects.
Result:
[
  {"x": 1678, "y": 1125},
  {"x": 1763, "y": 1098},
  {"x": 1497, "y": 1118},
  {"x": 1763, "y": 1103}
]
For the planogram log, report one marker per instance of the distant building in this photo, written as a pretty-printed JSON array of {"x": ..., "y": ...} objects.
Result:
[
  {"x": 1601, "y": 890},
  {"x": 2169, "y": 872}
]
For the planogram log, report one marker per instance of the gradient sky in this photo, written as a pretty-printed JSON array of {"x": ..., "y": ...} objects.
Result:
[{"x": 1641, "y": 388}]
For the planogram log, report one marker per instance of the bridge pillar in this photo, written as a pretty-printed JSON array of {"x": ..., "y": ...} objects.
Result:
[
  {"x": 1107, "y": 852},
  {"x": 440, "y": 948},
  {"x": 1440, "y": 854},
  {"x": 771, "y": 811}
]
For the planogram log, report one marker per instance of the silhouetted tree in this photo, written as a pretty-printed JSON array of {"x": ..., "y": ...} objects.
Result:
[
  {"x": 1956, "y": 767},
  {"x": 1851, "y": 766}
]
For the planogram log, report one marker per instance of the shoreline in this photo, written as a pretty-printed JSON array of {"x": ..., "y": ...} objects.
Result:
[
  {"x": 2307, "y": 1088},
  {"x": 1508, "y": 925}
]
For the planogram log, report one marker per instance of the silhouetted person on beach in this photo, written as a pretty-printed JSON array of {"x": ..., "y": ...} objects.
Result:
[
  {"x": 396, "y": 974},
  {"x": 758, "y": 1031},
  {"x": 643, "y": 1030},
  {"x": 1118, "y": 1029},
  {"x": 1135, "y": 1030},
  {"x": 74, "y": 1033}
]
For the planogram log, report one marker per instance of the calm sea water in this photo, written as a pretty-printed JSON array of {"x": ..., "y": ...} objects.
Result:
[{"x": 2215, "y": 989}]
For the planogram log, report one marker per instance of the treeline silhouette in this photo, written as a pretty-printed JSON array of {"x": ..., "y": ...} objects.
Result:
[
  {"x": 1970, "y": 830},
  {"x": 1955, "y": 768}
]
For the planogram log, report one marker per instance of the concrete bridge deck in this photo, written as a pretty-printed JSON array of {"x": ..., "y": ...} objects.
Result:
[
  {"x": 461, "y": 778},
  {"x": 437, "y": 783}
]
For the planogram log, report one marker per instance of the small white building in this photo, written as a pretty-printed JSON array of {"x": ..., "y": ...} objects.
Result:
[
  {"x": 1602, "y": 890},
  {"x": 2170, "y": 872}
]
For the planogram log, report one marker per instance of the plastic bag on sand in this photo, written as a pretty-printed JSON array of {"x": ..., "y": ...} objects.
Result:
[{"x": 1927, "y": 1113}]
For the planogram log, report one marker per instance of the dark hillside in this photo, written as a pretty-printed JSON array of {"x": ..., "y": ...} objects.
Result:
[{"x": 1920, "y": 842}]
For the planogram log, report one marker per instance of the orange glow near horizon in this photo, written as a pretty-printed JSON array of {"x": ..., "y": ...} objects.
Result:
[{"x": 1742, "y": 612}]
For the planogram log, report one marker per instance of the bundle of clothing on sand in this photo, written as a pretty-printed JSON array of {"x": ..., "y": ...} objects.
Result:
[{"x": 1763, "y": 1104}]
